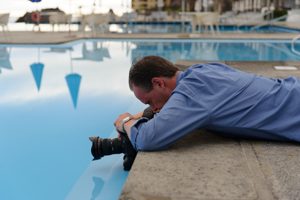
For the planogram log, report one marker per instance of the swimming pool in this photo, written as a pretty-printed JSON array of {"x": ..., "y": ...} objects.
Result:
[{"x": 52, "y": 97}]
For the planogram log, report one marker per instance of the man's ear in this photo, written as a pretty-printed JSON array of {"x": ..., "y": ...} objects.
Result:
[{"x": 158, "y": 81}]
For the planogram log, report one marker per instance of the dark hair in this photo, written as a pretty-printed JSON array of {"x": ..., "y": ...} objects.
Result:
[{"x": 142, "y": 72}]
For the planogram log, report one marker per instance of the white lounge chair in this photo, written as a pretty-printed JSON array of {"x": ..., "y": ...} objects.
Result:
[
  {"x": 206, "y": 20},
  {"x": 4, "y": 21},
  {"x": 59, "y": 19},
  {"x": 158, "y": 16},
  {"x": 96, "y": 22},
  {"x": 293, "y": 16}
]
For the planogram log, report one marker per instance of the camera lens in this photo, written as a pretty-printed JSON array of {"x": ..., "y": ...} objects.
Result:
[{"x": 105, "y": 146}]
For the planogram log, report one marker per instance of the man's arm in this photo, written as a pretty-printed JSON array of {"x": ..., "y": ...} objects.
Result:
[{"x": 179, "y": 116}]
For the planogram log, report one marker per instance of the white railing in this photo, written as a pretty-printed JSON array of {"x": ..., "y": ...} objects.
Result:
[
  {"x": 256, "y": 19},
  {"x": 269, "y": 22},
  {"x": 294, "y": 41}
]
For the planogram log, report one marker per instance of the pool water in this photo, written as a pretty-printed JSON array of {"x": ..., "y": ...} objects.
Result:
[
  {"x": 53, "y": 97},
  {"x": 216, "y": 50},
  {"x": 259, "y": 29},
  {"x": 179, "y": 27},
  {"x": 44, "y": 146}
]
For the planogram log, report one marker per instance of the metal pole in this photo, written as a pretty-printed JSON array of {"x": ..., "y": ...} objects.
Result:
[
  {"x": 268, "y": 6},
  {"x": 182, "y": 15},
  {"x": 297, "y": 4},
  {"x": 71, "y": 61}
]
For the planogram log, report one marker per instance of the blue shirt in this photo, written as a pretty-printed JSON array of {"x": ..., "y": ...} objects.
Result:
[{"x": 219, "y": 98}]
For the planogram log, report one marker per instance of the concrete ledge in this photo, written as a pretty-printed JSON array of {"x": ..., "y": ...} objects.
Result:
[
  {"x": 29, "y": 37},
  {"x": 201, "y": 166},
  {"x": 205, "y": 166},
  {"x": 264, "y": 68}
]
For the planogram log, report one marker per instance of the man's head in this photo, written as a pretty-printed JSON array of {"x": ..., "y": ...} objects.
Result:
[{"x": 152, "y": 79}]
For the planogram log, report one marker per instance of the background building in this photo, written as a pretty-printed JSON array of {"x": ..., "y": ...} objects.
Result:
[
  {"x": 220, "y": 6},
  {"x": 144, "y": 6}
]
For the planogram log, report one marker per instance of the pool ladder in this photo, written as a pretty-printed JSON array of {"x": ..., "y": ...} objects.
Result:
[
  {"x": 294, "y": 41},
  {"x": 269, "y": 22}
]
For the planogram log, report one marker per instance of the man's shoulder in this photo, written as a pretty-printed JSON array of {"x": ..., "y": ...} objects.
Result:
[
  {"x": 211, "y": 65},
  {"x": 208, "y": 68},
  {"x": 214, "y": 75}
]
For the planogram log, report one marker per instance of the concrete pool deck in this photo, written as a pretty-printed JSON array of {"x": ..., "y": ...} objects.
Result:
[
  {"x": 28, "y": 37},
  {"x": 204, "y": 165}
]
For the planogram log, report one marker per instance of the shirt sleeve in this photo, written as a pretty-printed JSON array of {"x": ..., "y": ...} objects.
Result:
[{"x": 180, "y": 115}]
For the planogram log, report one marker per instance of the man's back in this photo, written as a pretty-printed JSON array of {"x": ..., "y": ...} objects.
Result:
[{"x": 247, "y": 105}]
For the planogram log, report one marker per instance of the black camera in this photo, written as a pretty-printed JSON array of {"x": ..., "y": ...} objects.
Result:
[{"x": 106, "y": 146}]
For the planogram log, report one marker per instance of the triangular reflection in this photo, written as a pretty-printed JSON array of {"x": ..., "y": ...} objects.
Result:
[
  {"x": 37, "y": 72},
  {"x": 73, "y": 82}
]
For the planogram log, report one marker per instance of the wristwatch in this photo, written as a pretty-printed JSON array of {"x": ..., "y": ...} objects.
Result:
[{"x": 125, "y": 120}]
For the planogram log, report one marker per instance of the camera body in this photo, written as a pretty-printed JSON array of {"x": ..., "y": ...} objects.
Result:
[{"x": 106, "y": 146}]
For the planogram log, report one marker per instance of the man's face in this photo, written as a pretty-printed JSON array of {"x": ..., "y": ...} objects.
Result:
[{"x": 155, "y": 98}]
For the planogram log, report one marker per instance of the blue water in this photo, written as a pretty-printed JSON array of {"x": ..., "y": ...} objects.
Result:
[
  {"x": 179, "y": 27},
  {"x": 259, "y": 29},
  {"x": 44, "y": 146},
  {"x": 216, "y": 50},
  {"x": 53, "y": 97}
]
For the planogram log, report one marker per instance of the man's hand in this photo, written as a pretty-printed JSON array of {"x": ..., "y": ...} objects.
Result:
[
  {"x": 119, "y": 121},
  {"x": 124, "y": 126}
]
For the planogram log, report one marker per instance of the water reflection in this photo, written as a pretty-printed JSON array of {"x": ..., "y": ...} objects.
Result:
[
  {"x": 5, "y": 58},
  {"x": 73, "y": 81},
  {"x": 175, "y": 51},
  {"x": 169, "y": 50},
  {"x": 206, "y": 50},
  {"x": 214, "y": 50},
  {"x": 126, "y": 46},
  {"x": 37, "y": 72},
  {"x": 94, "y": 52},
  {"x": 60, "y": 49},
  {"x": 98, "y": 185}
]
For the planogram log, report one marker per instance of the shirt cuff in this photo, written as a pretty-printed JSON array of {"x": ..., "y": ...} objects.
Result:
[{"x": 134, "y": 131}]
